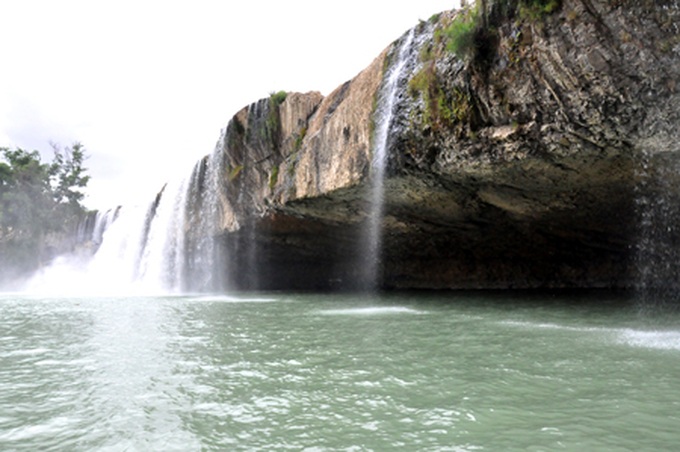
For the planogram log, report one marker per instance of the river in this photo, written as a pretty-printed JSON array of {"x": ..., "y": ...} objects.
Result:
[{"x": 457, "y": 371}]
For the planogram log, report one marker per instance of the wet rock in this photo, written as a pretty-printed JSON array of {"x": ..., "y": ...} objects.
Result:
[{"x": 525, "y": 171}]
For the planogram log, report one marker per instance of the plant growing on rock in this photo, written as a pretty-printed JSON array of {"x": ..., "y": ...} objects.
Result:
[
  {"x": 278, "y": 97},
  {"x": 299, "y": 137},
  {"x": 442, "y": 108},
  {"x": 461, "y": 33},
  {"x": 273, "y": 177},
  {"x": 537, "y": 9},
  {"x": 235, "y": 171},
  {"x": 473, "y": 35}
]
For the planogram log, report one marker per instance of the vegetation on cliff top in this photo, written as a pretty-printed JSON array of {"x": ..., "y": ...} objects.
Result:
[
  {"x": 278, "y": 97},
  {"x": 472, "y": 35},
  {"x": 472, "y": 32}
]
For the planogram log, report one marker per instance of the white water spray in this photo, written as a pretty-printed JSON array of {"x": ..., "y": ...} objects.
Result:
[
  {"x": 384, "y": 115},
  {"x": 168, "y": 246}
]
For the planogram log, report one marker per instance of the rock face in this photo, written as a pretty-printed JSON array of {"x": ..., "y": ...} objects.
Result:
[{"x": 542, "y": 159}]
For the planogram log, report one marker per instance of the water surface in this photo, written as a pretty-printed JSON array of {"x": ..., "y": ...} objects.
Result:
[{"x": 319, "y": 372}]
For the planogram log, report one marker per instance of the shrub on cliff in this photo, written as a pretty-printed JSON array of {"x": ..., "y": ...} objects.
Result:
[
  {"x": 472, "y": 32},
  {"x": 536, "y": 9},
  {"x": 461, "y": 33},
  {"x": 277, "y": 98}
]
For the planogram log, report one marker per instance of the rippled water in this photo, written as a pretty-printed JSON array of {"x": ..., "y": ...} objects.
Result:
[{"x": 311, "y": 372}]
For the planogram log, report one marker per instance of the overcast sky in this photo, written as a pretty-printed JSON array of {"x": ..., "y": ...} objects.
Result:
[{"x": 147, "y": 86}]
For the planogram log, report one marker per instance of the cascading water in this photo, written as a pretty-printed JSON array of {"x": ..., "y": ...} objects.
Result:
[
  {"x": 394, "y": 80},
  {"x": 204, "y": 258},
  {"x": 91, "y": 230},
  {"x": 658, "y": 244},
  {"x": 168, "y": 246}
]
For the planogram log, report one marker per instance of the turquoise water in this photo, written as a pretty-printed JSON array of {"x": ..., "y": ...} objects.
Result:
[{"x": 318, "y": 372}]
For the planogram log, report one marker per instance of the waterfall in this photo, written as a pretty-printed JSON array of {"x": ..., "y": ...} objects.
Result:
[
  {"x": 393, "y": 86},
  {"x": 205, "y": 259},
  {"x": 90, "y": 230},
  {"x": 658, "y": 242},
  {"x": 169, "y": 245}
]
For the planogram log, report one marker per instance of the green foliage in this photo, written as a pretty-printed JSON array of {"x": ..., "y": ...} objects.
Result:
[
  {"x": 438, "y": 35},
  {"x": 473, "y": 33},
  {"x": 277, "y": 98},
  {"x": 299, "y": 138},
  {"x": 442, "y": 108},
  {"x": 236, "y": 133},
  {"x": 292, "y": 161},
  {"x": 273, "y": 177},
  {"x": 424, "y": 83},
  {"x": 460, "y": 106},
  {"x": 537, "y": 9},
  {"x": 461, "y": 33},
  {"x": 427, "y": 52},
  {"x": 26, "y": 194},
  {"x": 235, "y": 171},
  {"x": 420, "y": 82},
  {"x": 272, "y": 126},
  {"x": 37, "y": 199},
  {"x": 69, "y": 175}
]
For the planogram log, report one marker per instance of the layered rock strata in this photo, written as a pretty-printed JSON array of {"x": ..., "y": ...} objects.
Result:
[{"x": 533, "y": 162}]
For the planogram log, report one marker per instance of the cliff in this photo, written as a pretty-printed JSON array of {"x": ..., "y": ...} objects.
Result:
[{"x": 538, "y": 158}]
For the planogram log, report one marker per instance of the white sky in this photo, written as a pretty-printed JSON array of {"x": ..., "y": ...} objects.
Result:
[{"x": 147, "y": 86}]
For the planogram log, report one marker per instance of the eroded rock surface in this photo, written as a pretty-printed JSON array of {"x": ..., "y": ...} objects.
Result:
[{"x": 529, "y": 166}]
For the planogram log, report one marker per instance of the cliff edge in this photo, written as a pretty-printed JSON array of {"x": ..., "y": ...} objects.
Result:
[{"x": 537, "y": 156}]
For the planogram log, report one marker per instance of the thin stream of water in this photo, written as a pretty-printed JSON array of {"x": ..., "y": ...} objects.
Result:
[{"x": 372, "y": 251}]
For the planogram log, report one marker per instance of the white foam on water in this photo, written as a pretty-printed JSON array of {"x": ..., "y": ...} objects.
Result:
[
  {"x": 652, "y": 339},
  {"x": 232, "y": 299},
  {"x": 372, "y": 310},
  {"x": 660, "y": 340},
  {"x": 556, "y": 326}
]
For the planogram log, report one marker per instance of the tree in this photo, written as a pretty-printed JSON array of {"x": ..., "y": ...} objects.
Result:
[
  {"x": 68, "y": 175},
  {"x": 36, "y": 200},
  {"x": 26, "y": 197}
]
